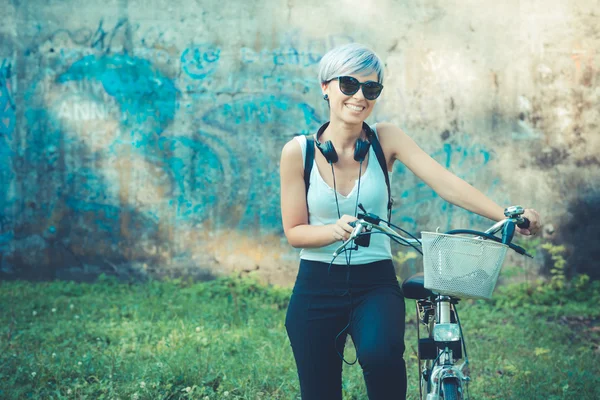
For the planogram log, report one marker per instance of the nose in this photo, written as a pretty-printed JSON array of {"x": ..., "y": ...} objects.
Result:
[{"x": 359, "y": 95}]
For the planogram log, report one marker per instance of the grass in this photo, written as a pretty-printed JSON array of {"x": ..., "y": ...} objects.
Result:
[{"x": 225, "y": 339}]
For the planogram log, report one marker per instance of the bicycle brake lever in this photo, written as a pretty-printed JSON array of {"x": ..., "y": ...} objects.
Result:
[
  {"x": 357, "y": 230},
  {"x": 371, "y": 218}
]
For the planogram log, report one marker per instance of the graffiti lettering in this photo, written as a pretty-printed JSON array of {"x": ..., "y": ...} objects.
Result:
[
  {"x": 200, "y": 61},
  {"x": 82, "y": 111},
  {"x": 279, "y": 110}
]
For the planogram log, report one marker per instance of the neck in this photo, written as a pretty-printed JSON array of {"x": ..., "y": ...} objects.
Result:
[{"x": 343, "y": 135}]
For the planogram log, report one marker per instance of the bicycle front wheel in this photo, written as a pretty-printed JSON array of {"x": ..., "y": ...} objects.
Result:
[{"x": 450, "y": 390}]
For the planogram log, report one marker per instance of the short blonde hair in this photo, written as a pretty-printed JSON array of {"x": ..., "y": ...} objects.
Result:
[{"x": 350, "y": 59}]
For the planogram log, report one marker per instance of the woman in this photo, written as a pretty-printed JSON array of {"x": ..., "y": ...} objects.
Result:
[{"x": 359, "y": 294}]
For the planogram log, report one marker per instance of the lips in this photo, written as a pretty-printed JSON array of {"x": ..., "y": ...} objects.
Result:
[{"x": 354, "y": 107}]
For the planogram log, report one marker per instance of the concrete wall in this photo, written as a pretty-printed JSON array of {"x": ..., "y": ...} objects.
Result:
[{"x": 144, "y": 136}]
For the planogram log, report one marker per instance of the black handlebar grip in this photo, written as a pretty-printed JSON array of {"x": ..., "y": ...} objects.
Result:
[{"x": 524, "y": 224}]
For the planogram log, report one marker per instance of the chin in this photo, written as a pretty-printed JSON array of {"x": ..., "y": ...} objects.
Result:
[
  {"x": 351, "y": 119},
  {"x": 356, "y": 119}
]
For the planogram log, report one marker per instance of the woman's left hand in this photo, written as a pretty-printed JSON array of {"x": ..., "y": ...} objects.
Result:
[{"x": 535, "y": 223}]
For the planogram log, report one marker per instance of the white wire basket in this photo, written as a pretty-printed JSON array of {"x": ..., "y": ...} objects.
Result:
[{"x": 465, "y": 267}]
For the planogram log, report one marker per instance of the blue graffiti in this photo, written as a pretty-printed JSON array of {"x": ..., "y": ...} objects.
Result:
[
  {"x": 105, "y": 216},
  {"x": 142, "y": 92},
  {"x": 7, "y": 175},
  {"x": 7, "y": 105},
  {"x": 262, "y": 205},
  {"x": 147, "y": 103},
  {"x": 280, "y": 112},
  {"x": 279, "y": 57},
  {"x": 418, "y": 199},
  {"x": 206, "y": 175},
  {"x": 201, "y": 169},
  {"x": 7, "y": 198},
  {"x": 200, "y": 61},
  {"x": 195, "y": 183},
  {"x": 288, "y": 52}
]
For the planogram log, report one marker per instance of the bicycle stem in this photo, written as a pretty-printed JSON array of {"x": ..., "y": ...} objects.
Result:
[{"x": 443, "y": 303}]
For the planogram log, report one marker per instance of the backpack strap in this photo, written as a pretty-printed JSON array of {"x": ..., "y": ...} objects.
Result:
[
  {"x": 381, "y": 158},
  {"x": 308, "y": 160}
]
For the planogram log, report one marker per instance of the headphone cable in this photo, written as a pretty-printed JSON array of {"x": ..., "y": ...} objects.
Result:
[
  {"x": 348, "y": 258},
  {"x": 337, "y": 205}
]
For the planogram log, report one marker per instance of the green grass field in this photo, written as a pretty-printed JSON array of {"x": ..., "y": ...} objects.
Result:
[{"x": 225, "y": 339}]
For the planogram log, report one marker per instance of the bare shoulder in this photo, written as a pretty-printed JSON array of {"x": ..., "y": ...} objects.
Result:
[
  {"x": 387, "y": 130},
  {"x": 292, "y": 153},
  {"x": 392, "y": 139},
  {"x": 291, "y": 157},
  {"x": 292, "y": 149}
]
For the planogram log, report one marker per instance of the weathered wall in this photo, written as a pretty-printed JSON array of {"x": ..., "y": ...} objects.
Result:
[{"x": 145, "y": 135}]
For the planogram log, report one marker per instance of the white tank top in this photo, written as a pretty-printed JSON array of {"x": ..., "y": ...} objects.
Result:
[{"x": 322, "y": 210}]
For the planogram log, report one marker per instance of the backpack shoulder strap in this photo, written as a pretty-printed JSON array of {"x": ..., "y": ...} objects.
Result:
[
  {"x": 308, "y": 160},
  {"x": 381, "y": 158}
]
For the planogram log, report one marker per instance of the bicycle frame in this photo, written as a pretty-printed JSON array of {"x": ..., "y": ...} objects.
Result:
[{"x": 441, "y": 378}]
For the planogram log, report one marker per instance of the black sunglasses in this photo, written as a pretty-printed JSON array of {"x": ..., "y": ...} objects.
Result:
[{"x": 349, "y": 86}]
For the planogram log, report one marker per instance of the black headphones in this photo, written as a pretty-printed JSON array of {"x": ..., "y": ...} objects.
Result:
[{"x": 360, "y": 151}]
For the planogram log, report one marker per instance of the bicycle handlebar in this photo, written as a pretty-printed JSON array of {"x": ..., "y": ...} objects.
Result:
[{"x": 368, "y": 222}]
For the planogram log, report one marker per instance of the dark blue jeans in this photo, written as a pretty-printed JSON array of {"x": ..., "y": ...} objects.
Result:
[{"x": 364, "y": 301}]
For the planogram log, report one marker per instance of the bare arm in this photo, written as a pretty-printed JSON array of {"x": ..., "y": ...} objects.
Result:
[
  {"x": 294, "y": 213},
  {"x": 447, "y": 185}
]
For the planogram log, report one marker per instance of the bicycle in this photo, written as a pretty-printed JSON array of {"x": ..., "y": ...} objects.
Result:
[{"x": 454, "y": 267}]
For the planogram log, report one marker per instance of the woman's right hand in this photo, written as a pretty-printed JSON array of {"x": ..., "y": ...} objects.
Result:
[{"x": 341, "y": 230}]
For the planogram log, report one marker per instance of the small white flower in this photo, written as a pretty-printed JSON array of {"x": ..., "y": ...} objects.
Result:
[
  {"x": 34, "y": 313},
  {"x": 69, "y": 391},
  {"x": 33, "y": 374},
  {"x": 135, "y": 396},
  {"x": 53, "y": 355},
  {"x": 187, "y": 389},
  {"x": 71, "y": 306},
  {"x": 225, "y": 394},
  {"x": 206, "y": 398},
  {"x": 79, "y": 363},
  {"x": 197, "y": 329},
  {"x": 77, "y": 317},
  {"x": 54, "y": 310},
  {"x": 142, "y": 384},
  {"x": 204, "y": 341}
]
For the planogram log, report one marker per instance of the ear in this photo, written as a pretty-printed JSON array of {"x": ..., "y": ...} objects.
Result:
[{"x": 325, "y": 88}]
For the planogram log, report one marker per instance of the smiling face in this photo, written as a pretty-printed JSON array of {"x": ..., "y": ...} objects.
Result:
[{"x": 349, "y": 109}]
